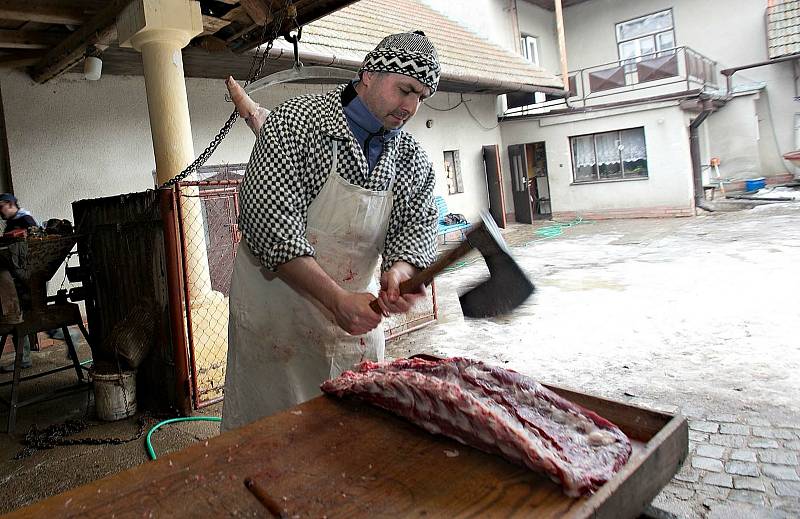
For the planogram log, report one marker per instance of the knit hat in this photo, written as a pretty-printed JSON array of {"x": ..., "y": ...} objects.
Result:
[{"x": 407, "y": 53}]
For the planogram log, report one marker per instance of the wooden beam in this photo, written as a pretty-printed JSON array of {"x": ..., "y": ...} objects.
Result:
[
  {"x": 100, "y": 30},
  {"x": 562, "y": 44},
  {"x": 28, "y": 11},
  {"x": 30, "y": 39},
  {"x": 212, "y": 24},
  {"x": 20, "y": 59}
]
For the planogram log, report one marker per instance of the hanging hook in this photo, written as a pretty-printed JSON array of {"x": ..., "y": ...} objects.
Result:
[{"x": 295, "y": 41}]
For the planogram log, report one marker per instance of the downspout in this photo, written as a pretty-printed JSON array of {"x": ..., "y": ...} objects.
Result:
[{"x": 694, "y": 151}]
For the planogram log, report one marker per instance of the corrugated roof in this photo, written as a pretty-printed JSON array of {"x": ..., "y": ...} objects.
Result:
[{"x": 469, "y": 62}]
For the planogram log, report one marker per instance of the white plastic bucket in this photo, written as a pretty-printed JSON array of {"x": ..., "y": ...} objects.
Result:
[{"x": 115, "y": 395}]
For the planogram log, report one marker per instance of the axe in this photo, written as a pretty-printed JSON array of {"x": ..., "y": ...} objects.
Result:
[{"x": 507, "y": 286}]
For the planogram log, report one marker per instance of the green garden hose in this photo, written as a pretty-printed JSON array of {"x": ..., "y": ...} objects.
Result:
[{"x": 149, "y": 445}]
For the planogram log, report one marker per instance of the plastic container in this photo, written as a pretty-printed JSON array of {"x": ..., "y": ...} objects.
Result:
[
  {"x": 114, "y": 395},
  {"x": 754, "y": 184}
]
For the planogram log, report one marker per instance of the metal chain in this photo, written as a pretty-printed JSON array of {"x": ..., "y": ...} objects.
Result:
[
  {"x": 57, "y": 435},
  {"x": 256, "y": 66}
]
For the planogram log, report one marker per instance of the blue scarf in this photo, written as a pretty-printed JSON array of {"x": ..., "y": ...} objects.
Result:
[{"x": 367, "y": 129}]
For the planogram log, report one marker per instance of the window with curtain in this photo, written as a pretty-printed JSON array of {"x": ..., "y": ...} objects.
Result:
[{"x": 617, "y": 155}]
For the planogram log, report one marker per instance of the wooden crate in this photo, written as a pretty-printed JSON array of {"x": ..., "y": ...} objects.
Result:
[{"x": 332, "y": 458}]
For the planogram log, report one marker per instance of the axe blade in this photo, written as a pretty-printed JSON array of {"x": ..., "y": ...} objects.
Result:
[{"x": 507, "y": 286}]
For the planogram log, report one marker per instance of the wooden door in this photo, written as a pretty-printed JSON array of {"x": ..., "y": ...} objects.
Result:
[
  {"x": 519, "y": 183},
  {"x": 494, "y": 183}
]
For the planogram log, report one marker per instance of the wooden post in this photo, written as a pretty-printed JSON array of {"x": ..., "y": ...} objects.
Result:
[{"x": 562, "y": 44}]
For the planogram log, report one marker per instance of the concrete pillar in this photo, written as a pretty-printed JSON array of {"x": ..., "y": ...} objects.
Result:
[{"x": 159, "y": 29}]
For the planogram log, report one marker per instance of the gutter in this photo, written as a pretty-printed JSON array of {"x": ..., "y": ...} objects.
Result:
[
  {"x": 729, "y": 72},
  {"x": 476, "y": 84}
]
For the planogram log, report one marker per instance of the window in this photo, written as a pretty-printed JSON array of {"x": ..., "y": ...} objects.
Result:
[
  {"x": 617, "y": 155},
  {"x": 452, "y": 169},
  {"x": 530, "y": 48},
  {"x": 645, "y": 35}
]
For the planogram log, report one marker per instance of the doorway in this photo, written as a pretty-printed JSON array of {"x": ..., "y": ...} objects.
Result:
[
  {"x": 538, "y": 182},
  {"x": 529, "y": 182}
]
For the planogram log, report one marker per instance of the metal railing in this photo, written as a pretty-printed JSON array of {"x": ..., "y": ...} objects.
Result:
[{"x": 665, "y": 72}]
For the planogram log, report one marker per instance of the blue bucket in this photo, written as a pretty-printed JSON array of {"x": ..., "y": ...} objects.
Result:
[{"x": 754, "y": 184}]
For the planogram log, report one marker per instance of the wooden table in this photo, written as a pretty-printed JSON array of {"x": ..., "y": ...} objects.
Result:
[{"x": 332, "y": 458}]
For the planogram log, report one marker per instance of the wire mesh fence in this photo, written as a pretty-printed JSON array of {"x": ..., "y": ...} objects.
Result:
[
  {"x": 209, "y": 211},
  {"x": 209, "y": 237}
]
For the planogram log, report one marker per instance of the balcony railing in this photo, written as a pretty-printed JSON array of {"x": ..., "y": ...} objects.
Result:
[{"x": 660, "y": 73}]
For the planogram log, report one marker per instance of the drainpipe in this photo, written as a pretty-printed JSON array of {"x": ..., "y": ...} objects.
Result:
[{"x": 694, "y": 150}]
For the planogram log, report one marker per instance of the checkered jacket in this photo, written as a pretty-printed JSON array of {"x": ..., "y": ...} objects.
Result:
[{"x": 292, "y": 160}]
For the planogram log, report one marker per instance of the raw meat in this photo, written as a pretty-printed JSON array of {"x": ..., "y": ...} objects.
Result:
[{"x": 498, "y": 411}]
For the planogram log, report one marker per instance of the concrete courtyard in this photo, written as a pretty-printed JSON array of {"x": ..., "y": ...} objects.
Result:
[
  {"x": 697, "y": 315},
  {"x": 693, "y": 315}
]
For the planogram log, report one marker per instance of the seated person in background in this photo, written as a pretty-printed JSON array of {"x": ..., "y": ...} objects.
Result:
[
  {"x": 18, "y": 221},
  {"x": 15, "y": 217}
]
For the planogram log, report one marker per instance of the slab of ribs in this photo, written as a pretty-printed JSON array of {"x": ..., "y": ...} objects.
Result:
[{"x": 498, "y": 411}]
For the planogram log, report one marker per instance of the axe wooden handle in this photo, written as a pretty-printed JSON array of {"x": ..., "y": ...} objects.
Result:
[{"x": 424, "y": 277}]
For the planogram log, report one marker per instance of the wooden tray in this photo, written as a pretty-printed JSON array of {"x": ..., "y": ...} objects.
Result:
[{"x": 332, "y": 458}]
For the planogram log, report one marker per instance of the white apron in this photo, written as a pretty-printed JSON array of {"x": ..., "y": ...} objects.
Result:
[{"x": 283, "y": 345}]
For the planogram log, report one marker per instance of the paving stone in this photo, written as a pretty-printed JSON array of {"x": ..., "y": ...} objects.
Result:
[
  {"x": 757, "y": 420},
  {"x": 736, "y": 442},
  {"x": 747, "y": 496},
  {"x": 763, "y": 444},
  {"x": 682, "y": 493},
  {"x": 787, "y": 488},
  {"x": 703, "y": 426},
  {"x": 794, "y": 445},
  {"x": 688, "y": 475},
  {"x": 733, "y": 428},
  {"x": 741, "y": 468},
  {"x": 718, "y": 480},
  {"x": 710, "y": 451},
  {"x": 781, "y": 472},
  {"x": 709, "y": 464},
  {"x": 768, "y": 432},
  {"x": 749, "y": 484},
  {"x": 743, "y": 455},
  {"x": 743, "y": 511},
  {"x": 696, "y": 436},
  {"x": 778, "y": 457},
  {"x": 729, "y": 418},
  {"x": 712, "y": 492},
  {"x": 788, "y": 424}
]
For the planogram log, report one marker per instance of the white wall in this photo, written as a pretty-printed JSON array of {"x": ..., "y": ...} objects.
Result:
[
  {"x": 73, "y": 139},
  {"x": 535, "y": 21},
  {"x": 738, "y": 149},
  {"x": 457, "y": 130},
  {"x": 490, "y": 19},
  {"x": 669, "y": 183}
]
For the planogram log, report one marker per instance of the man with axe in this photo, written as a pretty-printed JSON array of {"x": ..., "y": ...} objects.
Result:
[{"x": 333, "y": 185}]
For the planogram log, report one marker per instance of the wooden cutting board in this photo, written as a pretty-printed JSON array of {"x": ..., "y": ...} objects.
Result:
[{"x": 332, "y": 458}]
